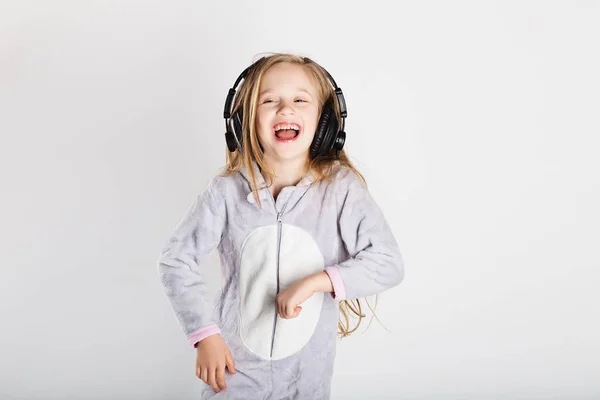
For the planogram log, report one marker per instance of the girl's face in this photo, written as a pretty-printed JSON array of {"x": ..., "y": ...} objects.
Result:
[{"x": 287, "y": 112}]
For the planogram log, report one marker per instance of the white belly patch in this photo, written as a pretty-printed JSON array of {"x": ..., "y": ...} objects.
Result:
[{"x": 299, "y": 256}]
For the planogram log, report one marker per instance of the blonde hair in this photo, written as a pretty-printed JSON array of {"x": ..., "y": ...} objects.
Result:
[{"x": 321, "y": 167}]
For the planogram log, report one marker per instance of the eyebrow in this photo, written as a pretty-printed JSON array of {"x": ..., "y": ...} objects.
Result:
[{"x": 270, "y": 90}]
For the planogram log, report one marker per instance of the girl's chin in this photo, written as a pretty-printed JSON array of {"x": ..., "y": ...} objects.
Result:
[{"x": 286, "y": 154}]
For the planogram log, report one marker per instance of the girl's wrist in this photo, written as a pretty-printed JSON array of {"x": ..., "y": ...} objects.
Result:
[{"x": 320, "y": 282}]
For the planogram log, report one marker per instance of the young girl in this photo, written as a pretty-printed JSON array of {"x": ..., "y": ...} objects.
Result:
[{"x": 298, "y": 235}]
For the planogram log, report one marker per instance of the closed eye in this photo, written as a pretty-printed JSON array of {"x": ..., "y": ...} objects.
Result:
[{"x": 297, "y": 100}]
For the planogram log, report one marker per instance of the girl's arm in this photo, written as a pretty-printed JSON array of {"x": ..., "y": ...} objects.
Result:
[
  {"x": 376, "y": 263},
  {"x": 195, "y": 237}
]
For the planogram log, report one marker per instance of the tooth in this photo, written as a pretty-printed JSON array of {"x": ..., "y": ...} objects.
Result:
[{"x": 279, "y": 127}]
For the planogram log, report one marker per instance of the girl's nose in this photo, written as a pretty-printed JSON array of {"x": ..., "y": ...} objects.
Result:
[{"x": 286, "y": 108}]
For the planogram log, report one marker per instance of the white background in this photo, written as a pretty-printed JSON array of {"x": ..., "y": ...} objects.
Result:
[{"x": 475, "y": 123}]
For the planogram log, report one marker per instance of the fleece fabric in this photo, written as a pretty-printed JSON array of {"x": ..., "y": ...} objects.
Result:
[{"x": 335, "y": 227}]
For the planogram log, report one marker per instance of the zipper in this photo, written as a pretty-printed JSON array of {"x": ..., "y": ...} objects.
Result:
[{"x": 279, "y": 226}]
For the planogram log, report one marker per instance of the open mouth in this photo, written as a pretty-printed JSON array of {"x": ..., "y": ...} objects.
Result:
[{"x": 286, "y": 132}]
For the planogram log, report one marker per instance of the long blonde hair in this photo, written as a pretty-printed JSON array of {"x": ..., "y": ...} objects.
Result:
[{"x": 321, "y": 167}]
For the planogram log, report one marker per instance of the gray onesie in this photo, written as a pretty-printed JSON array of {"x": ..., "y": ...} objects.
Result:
[{"x": 335, "y": 227}]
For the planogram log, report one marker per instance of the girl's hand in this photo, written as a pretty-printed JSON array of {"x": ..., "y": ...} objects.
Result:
[
  {"x": 213, "y": 356},
  {"x": 288, "y": 300}
]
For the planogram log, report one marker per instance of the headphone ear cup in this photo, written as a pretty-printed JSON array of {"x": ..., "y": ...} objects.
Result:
[
  {"x": 340, "y": 139},
  {"x": 325, "y": 135},
  {"x": 230, "y": 140},
  {"x": 236, "y": 120}
]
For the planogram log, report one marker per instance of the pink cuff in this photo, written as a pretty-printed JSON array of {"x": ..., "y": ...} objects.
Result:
[
  {"x": 200, "y": 334},
  {"x": 339, "y": 291}
]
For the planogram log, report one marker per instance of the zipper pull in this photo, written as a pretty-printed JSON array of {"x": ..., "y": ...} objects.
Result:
[{"x": 279, "y": 216}]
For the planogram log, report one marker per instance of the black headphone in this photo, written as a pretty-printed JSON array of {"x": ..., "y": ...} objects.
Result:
[{"x": 328, "y": 135}]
